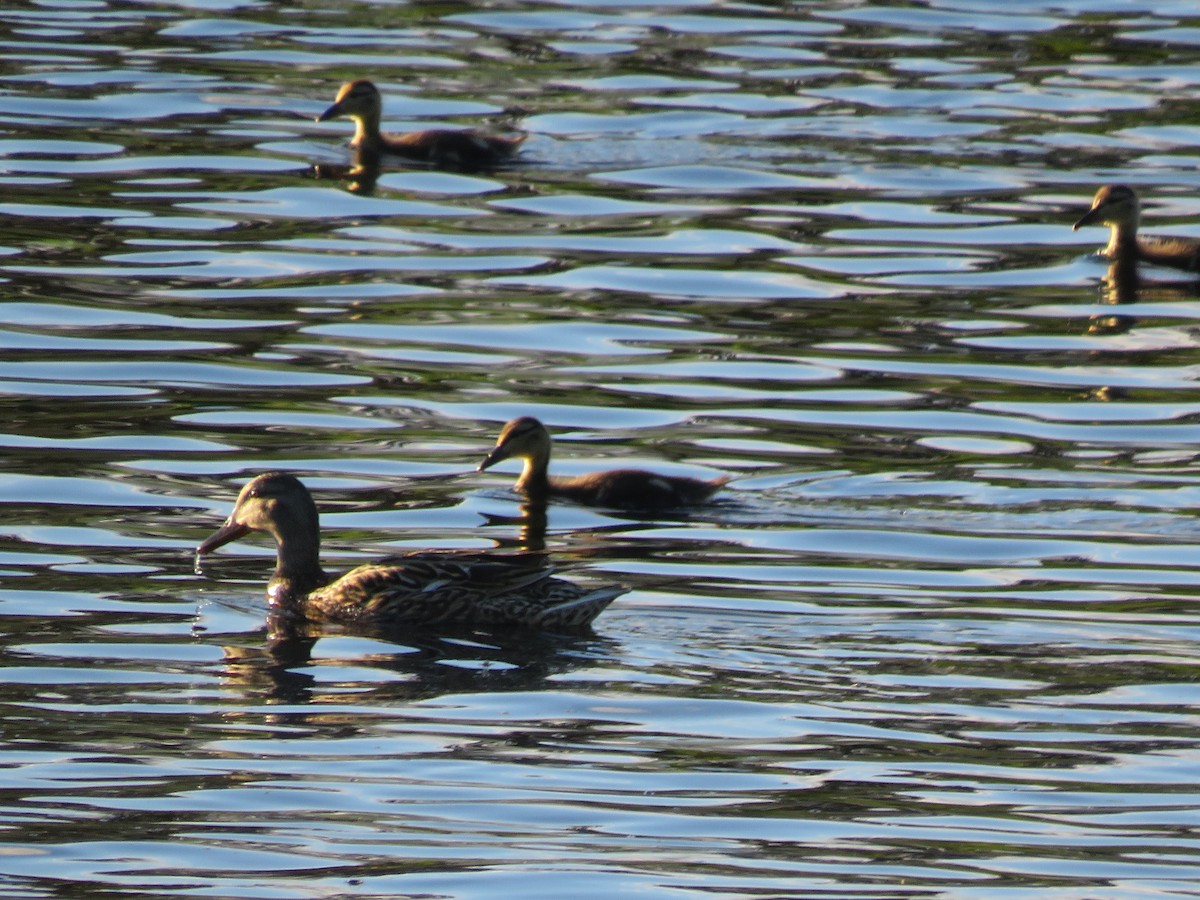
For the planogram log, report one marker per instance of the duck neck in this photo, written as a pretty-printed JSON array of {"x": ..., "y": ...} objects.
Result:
[
  {"x": 534, "y": 481},
  {"x": 366, "y": 131},
  {"x": 1122, "y": 241},
  {"x": 297, "y": 567}
]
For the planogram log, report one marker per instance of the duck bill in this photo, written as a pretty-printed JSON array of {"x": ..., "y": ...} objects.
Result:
[
  {"x": 227, "y": 533},
  {"x": 1091, "y": 217},
  {"x": 498, "y": 454},
  {"x": 331, "y": 113}
]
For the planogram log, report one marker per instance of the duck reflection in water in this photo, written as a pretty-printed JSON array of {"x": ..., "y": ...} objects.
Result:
[
  {"x": 1123, "y": 286},
  {"x": 361, "y": 101},
  {"x": 531, "y": 527},
  {"x": 286, "y": 670},
  {"x": 359, "y": 176},
  {"x": 400, "y": 594}
]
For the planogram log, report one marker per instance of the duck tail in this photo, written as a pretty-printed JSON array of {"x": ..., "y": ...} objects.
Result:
[{"x": 579, "y": 612}]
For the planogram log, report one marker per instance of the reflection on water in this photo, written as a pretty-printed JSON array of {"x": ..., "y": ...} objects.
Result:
[{"x": 935, "y": 639}]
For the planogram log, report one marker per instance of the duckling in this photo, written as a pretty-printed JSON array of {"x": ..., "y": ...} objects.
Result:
[
  {"x": 360, "y": 101},
  {"x": 416, "y": 590},
  {"x": 1116, "y": 205},
  {"x": 527, "y": 439}
]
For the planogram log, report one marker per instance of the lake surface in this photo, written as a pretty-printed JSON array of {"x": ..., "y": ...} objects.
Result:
[{"x": 939, "y": 637}]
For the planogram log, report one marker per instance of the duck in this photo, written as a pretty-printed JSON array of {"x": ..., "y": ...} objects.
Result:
[
  {"x": 417, "y": 590},
  {"x": 361, "y": 101},
  {"x": 1117, "y": 206},
  {"x": 527, "y": 439}
]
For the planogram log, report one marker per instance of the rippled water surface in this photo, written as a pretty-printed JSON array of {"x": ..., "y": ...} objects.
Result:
[{"x": 937, "y": 639}]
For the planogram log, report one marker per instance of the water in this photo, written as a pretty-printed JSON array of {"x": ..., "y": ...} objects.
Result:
[{"x": 937, "y": 639}]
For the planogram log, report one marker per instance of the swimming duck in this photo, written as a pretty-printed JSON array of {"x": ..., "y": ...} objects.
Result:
[
  {"x": 420, "y": 589},
  {"x": 1116, "y": 205},
  {"x": 360, "y": 101},
  {"x": 527, "y": 439}
]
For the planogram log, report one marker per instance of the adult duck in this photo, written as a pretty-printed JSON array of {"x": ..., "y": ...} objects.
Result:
[
  {"x": 1117, "y": 206},
  {"x": 527, "y": 439},
  {"x": 405, "y": 592},
  {"x": 470, "y": 149}
]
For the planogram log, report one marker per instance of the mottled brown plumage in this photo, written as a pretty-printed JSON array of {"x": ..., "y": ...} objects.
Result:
[
  {"x": 468, "y": 149},
  {"x": 417, "y": 590},
  {"x": 527, "y": 439},
  {"x": 1116, "y": 206}
]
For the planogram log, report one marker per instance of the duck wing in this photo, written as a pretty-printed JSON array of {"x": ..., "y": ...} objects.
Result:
[{"x": 429, "y": 589}]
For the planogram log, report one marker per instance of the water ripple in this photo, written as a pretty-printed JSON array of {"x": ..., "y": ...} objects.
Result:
[{"x": 936, "y": 637}]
